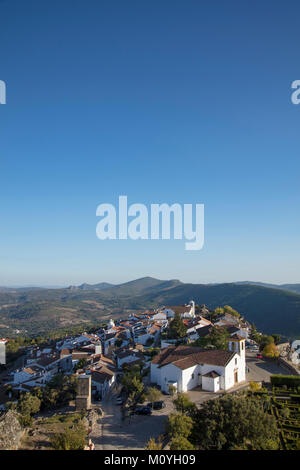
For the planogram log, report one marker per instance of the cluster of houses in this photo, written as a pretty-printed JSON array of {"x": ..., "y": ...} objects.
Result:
[{"x": 103, "y": 354}]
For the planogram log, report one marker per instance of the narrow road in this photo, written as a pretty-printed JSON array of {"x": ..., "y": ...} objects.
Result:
[{"x": 111, "y": 433}]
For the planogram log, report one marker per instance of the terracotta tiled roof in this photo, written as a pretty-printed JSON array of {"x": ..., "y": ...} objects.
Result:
[
  {"x": 184, "y": 357},
  {"x": 102, "y": 375},
  {"x": 204, "y": 331},
  {"x": 45, "y": 361},
  {"x": 130, "y": 352},
  {"x": 231, "y": 328},
  {"x": 100, "y": 357}
]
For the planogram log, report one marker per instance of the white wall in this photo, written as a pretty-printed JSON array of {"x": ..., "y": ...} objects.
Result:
[
  {"x": 186, "y": 380},
  {"x": 165, "y": 374},
  {"x": 210, "y": 384},
  {"x": 190, "y": 378}
]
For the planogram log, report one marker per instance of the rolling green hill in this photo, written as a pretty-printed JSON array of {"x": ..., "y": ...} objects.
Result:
[{"x": 272, "y": 309}]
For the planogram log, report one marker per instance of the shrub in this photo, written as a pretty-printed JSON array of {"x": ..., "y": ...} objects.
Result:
[
  {"x": 73, "y": 438},
  {"x": 290, "y": 381},
  {"x": 181, "y": 443},
  {"x": 270, "y": 350},
  {"x": 254, "y": 386},
  {"x": 152, "y": 444}
]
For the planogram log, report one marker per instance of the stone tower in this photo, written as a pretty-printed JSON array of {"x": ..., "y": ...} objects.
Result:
[{"x": 83, "y": 398}]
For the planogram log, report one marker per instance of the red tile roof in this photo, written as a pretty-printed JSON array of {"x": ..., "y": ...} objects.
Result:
[
  {"x": 184, "y": 357},
  {"x": 101, "y": 375}
]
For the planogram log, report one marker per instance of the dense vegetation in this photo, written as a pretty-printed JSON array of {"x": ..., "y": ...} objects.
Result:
[
  {"x": 57, "y": 393},
  {"x": 230, "y": 422}
]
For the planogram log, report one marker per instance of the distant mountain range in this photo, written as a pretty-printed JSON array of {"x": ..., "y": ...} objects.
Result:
[
  {"x": 287, "y": 287},
  {"x": 273, "y": 308}
]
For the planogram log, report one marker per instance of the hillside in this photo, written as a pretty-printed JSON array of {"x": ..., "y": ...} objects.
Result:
[
  {"x": 288, "y": 287},
  {"x": 273, "y": 310}
]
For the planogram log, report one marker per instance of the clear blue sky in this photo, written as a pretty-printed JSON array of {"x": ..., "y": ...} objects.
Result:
[{"x": 160, "y": 100}]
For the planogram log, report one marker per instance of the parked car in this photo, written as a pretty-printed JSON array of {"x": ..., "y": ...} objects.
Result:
[
  {"x": 119, "y": 401},
  {"x": 143, "y": 410},
  {"x": 259, "y": 356},
  {"x": 157, "y": 405}
]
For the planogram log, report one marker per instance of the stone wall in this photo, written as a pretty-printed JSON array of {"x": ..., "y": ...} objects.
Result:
[{"x": 290, "y": 367}]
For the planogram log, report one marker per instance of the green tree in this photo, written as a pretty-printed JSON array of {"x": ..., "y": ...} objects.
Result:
[
  {"x": 133, "y": 387},
  {"x": 153, "y": 394},
  {"x": 277, "y": 338},
  {"x": 254, "y": 335},
  {"x": 177, "y": 328},
  {"x": 264, "y": 341},
  {"x": 58, "y": 392},
  {"x": 234, "y": 421},
  {"x": 179, "y": 424},
  {"x": 270, "y": 350},
  {"x": 183, "y": 404},
  {"x": 28, "y": 404},
  {"x": 181, "y": 443},
  {"x": 218, "y": 311},
  {"x": 80, "y": 364},
  {"x": 231, "y": 311},
  {"x": 219, "y": 336}
]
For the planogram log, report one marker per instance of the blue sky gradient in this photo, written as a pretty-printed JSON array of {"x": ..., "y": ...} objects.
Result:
[{"x": 162, "y": 101}]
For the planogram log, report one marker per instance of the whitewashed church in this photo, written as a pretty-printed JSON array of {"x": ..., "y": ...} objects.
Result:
[{"x": 188, "y": 367}]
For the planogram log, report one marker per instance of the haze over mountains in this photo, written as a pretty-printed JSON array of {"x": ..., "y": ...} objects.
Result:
[{"x": 273, "y": 308}]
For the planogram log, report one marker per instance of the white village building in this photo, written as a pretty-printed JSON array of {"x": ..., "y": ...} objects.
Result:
[
  {"x": 185, "y": 311},
  {"x": 188, "y": 367}
]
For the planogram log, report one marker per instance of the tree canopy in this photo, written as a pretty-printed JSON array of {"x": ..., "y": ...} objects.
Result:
[
  {"x": 153, "y": 394},
  {"x": 183, "y": 404},
  {"x": 270, "y": 350},
  {"x": 179, "y": 424},
  {"x": 177, "y": 328},
  {"x": 233, "y": 422}
]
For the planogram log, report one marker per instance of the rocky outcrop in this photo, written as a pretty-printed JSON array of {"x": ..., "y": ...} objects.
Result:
[{"x": 10, "y": 431}]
